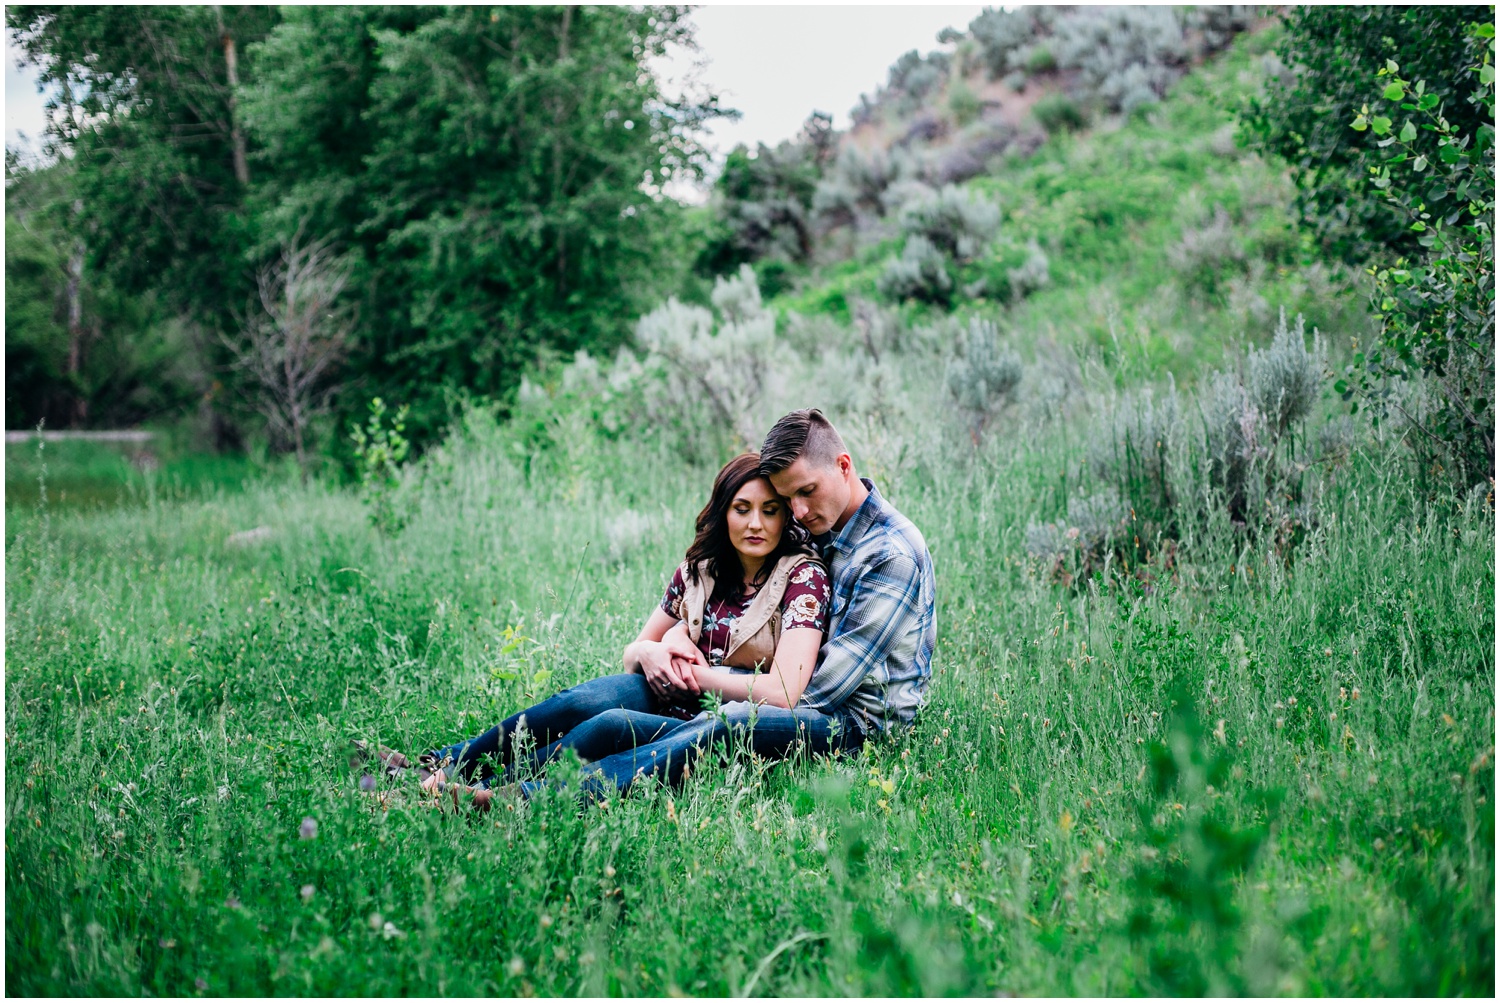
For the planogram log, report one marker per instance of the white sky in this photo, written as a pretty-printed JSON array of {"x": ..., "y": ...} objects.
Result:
[{"x": 774, "y": 64}]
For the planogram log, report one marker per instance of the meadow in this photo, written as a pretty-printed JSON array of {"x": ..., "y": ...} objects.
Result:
[{"x": 1253, "y": 764}]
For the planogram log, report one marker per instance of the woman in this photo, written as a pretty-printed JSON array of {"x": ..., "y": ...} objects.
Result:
[{"x": 743, "y": 617}]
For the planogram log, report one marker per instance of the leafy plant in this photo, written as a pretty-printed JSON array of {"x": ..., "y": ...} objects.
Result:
[
  {"x": 983, "y": 379},
  {"x": 380, "y": 449},
  {"x": 1437, "y": 307},
  {"x": 920, "y": 273}
]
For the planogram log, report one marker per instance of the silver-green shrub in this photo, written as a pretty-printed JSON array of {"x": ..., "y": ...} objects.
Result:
[
  {"x": 1285, "y": 379},
  {"x": 1122, "y": 53},
  {"x": 1034, "y": 273},
  {"x": 737, "y": 297},
  {"x": 921, "y": 273},
  {"x": 983, "y": 379},
  {"x": 703, "y": 379},
  {"x": 1006, "y": 36},
  {"x": 956, "y": 220},
  {"x": 1203, "y": 253}
]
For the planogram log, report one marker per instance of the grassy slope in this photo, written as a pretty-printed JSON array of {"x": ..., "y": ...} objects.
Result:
[
  {"x": 1107, "y": 206},
  {"x": 176, "y": 707}
]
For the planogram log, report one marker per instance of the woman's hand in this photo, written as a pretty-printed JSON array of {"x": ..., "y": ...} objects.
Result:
[{"x": 668, "y": 665}]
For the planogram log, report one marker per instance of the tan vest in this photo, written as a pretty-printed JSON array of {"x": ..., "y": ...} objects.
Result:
[{"x": 755, "y": 634}]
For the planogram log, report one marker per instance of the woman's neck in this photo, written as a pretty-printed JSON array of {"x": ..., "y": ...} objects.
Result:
[{"x": 752, "y": 567}]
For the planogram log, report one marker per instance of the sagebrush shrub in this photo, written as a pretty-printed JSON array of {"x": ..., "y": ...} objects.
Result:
[
  {"x": 921, "y": 273},
  {"x": 1285, "y": 379},
  {"x": 956, "y": 220},
  {"x": 1122, "y": 52},
  {"x": 1032, "y": 274},
  {"x": 983, "y": 379},
  {"x": 1204, "y": 252}
]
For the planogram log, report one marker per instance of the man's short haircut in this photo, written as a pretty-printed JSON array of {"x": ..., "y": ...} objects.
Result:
[{"x": 804, "y": 433}]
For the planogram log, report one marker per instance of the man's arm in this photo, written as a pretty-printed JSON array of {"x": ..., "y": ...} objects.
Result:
[{"x": 880, "y": 612}]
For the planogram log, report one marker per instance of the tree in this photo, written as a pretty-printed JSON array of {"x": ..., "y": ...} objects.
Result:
[
  {"x": 1331, "y": 53},
  {"x": 1436, "y": 306},
  {"x": 145, "y": 108},
  {"x": 495, "y": 173},
  {"x": 295, "y": 340}
]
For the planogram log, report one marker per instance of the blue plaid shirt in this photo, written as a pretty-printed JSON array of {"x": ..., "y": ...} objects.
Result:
[{"x": 877, "y": 660}]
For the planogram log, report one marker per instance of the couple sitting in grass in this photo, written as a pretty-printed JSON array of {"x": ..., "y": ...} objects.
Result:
[{"x": 805, "y": 602}]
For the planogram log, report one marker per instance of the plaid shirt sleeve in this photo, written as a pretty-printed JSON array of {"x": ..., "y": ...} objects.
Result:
[{"x": 882, "y": 608}]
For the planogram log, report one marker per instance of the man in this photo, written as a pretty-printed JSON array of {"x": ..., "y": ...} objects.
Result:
[{"x": 874, "y": 667}]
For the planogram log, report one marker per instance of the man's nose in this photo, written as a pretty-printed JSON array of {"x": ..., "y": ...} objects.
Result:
[{"x": 799, "y": 509}]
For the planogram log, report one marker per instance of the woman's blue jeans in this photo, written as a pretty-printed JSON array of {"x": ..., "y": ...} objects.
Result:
[
  {"x": 615, "y": 725},
  {"x": 596, "y": 719}
]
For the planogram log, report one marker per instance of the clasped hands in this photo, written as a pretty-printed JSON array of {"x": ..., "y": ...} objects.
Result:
[{"x": 671, "y": 666}]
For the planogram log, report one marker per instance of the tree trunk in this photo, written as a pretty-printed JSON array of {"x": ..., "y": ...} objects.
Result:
[{"x": 232, "y": 65}]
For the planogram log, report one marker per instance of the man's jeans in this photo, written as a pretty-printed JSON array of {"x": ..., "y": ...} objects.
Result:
[
  {"x": 772, "y": 732},
  {"x": 596, "y": 719},
  {"x": 614, "y": 725}
]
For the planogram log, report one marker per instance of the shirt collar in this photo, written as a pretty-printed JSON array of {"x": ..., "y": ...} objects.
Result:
[{"x": 861, "y": 521}]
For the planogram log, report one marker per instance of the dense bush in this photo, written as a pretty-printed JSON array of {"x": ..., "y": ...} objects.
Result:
[
  {"x": 920, "y": 273},
  {"x": 1058, "y": 113},
  {"x": 1125, "y": 55},
  {"x": 1332, "y": 54},
  {"x": 1437, "y": 310},
  {"x": 984, "y": 377},
  {"x": 956, "y": 220}
]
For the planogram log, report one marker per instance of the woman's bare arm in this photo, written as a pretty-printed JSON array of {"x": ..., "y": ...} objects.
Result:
[
  {"x": 655, "y": 650},
  {"x": 791, "y": 670}
]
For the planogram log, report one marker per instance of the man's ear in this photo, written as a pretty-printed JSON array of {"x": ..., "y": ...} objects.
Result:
[{"x": 846, "y": 464}]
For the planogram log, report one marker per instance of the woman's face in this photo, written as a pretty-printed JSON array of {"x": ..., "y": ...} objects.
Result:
[{"x": 757, "y": 516}]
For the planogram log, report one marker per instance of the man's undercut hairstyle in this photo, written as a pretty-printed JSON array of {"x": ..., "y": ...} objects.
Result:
[{"x": 805, "y": 433}]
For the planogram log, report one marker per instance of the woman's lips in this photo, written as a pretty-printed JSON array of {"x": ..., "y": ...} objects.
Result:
[{"x": 755, "y": 539}]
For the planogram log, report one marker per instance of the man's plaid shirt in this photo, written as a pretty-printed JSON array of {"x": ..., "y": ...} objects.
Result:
[{"x": 878, "y": 657}]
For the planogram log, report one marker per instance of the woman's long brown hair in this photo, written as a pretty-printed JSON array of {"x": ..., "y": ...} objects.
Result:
[{"x": 712, "y": 544}]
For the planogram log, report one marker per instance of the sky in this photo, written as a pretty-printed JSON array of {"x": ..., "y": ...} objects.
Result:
[{"x": 774, "y": 64}]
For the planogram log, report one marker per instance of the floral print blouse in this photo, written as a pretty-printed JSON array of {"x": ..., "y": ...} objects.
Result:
[{"x": 805, "y": 604}]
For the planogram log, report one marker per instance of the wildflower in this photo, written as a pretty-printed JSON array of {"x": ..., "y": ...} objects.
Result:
[
  {"x": 308, "y": 829},
  {"x": 307, "y": 893},
  {"x": 201, "y": 984},
  {"x": 1354, "y": 693},
  {"x": 517, "y": 967},
  {"x": 367, "y": 782},
  {"x": 545, "y": 921},
  {"x": 167, "y": 943},
  {"x": 609, "y": 870},
  {"x": 376, "y": 920},
  {"x": 1065, "y": 823},
  {"x": 389, "y": 931},
  {"x": 1327, "y": 652},
  {"x": 889, "y": 786},
  {"x": 231, "y": 903}
]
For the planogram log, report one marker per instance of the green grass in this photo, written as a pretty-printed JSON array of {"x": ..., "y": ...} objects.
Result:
[
  {"x": 1259, "y": 776},
  {"x": 176, "y": 707},
  {"x": 88, "y": 474}
]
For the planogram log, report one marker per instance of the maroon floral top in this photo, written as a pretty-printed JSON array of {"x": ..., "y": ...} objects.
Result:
[{"x": 805, "y": 604}]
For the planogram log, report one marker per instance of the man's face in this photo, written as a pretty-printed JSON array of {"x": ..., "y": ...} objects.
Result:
[{"x": 817, "y": 495}]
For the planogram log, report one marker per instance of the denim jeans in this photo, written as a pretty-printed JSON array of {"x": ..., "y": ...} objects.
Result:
[
  {"x": 768, "y": 731},
  {"x": 598, "y": 718}
]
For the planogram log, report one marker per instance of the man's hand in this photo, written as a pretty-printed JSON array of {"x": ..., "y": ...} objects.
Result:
[{"x": 668, "y": 667}]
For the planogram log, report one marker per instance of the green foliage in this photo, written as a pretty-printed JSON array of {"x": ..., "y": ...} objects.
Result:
[
  {"x": 208, "y": 693},
  {"x": 145, "y": 110},
  {"x": 1330, "y": 54},
  {"x": 1193, "y": 855},
  {"x": 920, "y": 273},
  {"x": 1437, "y": 309},
  {"x": 379, "y": 452},
  {"x": 488, "y": 168},
  {"x": 1058, "y": 113},
  {"x": 493, "y": 176},
  {"x": 983, "y": 379}
]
